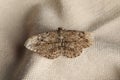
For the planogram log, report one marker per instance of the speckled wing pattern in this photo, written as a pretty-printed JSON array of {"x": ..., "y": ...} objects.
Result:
[
  {"x": 75, "y": 42},
  {"x": 44, "y": 44},
  {"x": 52, "y": 44}
]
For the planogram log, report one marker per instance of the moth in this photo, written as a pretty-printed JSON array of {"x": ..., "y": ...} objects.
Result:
[{"x": 52, "y": 44}]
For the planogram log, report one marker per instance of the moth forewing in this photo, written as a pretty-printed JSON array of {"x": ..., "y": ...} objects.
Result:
[{"x": 69, "y": 43}]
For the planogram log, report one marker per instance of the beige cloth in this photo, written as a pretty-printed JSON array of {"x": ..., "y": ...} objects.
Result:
[{"x": 20, "y": 19}]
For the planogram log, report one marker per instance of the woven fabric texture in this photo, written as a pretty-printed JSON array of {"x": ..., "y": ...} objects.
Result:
[{"x": 20, "y": 19}]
